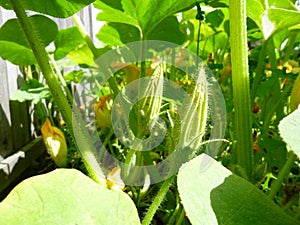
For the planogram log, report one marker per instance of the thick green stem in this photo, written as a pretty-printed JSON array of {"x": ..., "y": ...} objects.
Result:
[
  {"x": 282, "y": 175},
  {"x": 240, "y": 80},
  {"x": 58, "y": 95},
  {"x": 157, "y": 201}
]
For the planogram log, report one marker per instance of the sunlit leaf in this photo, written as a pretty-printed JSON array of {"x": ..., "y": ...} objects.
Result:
[
  {"x": 56, "y": 8},
  {"x": 290, "y": 130},
  {"x": 66, "y": 41},
  {"x": 16, "y": 54},
  {"x": 272, "y": 16},
  {"x": 66, "y": 196}
]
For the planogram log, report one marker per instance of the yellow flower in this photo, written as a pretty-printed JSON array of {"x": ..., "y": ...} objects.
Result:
[
  {"x": 55, "y": 142},
  {"x": 102, "y": 113}
]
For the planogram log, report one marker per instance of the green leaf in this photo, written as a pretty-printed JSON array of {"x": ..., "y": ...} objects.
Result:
[
  {"x": 16, "y": 54},
  {"x": 82, "y": 56},
  {"x": 212, "y": 195},
  {"x": 13, "y": 44},
  {"x": 66, "y": 196},
  {"x": 168, "y": 30},
  {"x": 66, "y": 41},
  {"x": 150, "y": 13},
  {"x": 31, "y": 91},
  {"x": 45, "y": 27},
  {"x": 110, "y": 14},
  {"x": 214, "y": 18},
  {"x": 276, "y": 152},
  {"x": 272, "y": 16},
  {"x": 116, "y": 34},
  {"x": 289, "y": 128},
  {"x": 56, "y": 8},
  {"x": 143, "y": 14}
]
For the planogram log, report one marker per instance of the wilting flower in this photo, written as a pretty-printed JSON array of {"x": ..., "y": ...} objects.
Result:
[
  {"x": 102, "y": 112},
  {"x": 55, "y": 142},
  {"x": 114, "y": 180},
  {"x": 132, "y": 71}
]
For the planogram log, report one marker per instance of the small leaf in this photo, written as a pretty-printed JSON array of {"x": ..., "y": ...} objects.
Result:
[
  {"x": 289, "y": 128},
  {"x": 33, "y": 91},
  {"x": 66, "y": 196},
  {"x": 212, "y": 195}
]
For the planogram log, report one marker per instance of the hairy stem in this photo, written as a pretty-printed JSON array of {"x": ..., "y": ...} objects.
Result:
[
  {"x": 42, "y": 58},
  {"x": 157, "y": 201}
]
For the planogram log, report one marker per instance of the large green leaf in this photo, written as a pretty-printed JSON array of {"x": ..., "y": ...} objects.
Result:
[
  {"x": 212, "y": 195},
  {"x": 144, "y": 14},
  {"x": 110, "y": 14},
  {"x": 272, "y": 16},
  {"x": 45, "y": 27},
  {"x": 16, "y": 54},
  {"x": 13, "y": 44},
  {"x": 66, "y": 196},
  {"x": 56, "y": 8},
  {"x": 290, "y": 130},
  {"x": 66, "y": 41}
]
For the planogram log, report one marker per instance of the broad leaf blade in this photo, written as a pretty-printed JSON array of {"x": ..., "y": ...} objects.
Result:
[
  {"x": 150, "y": 13},
  {"x": 272, "y": 16},
  {"x": 66, "y": 41},
  {"x": 289, "y": 128},
  {"x": 212, "y": 195},
  {"x": 143, "y": 14},
  {"x": 66, "y": 196},
  {"x": 110, "y": 14},
  {"x": 16, "y": 54},
  {"x": 45, "y": 27},
  {"x": 56, "y": 8}
]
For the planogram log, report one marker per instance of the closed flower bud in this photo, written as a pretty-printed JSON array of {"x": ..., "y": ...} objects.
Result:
[
  {"x": 55, "y": 142},
  {"x": 193, "y": 123}
]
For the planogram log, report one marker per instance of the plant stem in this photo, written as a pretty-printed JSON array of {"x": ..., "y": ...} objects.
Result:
[
  {"x": 42, "y": 58},
  {"x": 259, "y": 71},
  {"x": 240, "y": 80},
  {"x": 157, "y": 201},
  {"x": 85, "y": 35},
  {"x": 283, "y": 174},
  {"x": 290, "y": 46}
]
